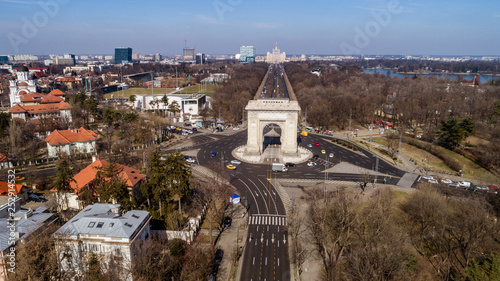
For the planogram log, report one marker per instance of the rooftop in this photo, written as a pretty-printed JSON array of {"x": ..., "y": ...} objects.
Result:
[
  {"x": 106, "y": 221},
  {"x": 59, "y": 137}
]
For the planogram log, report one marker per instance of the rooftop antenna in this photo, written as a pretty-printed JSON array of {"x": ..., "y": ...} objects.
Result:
[{"x": 185, "y": 43}]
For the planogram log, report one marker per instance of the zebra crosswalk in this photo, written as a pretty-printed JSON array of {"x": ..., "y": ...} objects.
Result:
[{"x": 267, "y": 220}]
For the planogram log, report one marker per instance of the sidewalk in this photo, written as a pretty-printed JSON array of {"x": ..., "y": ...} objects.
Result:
[{"x": 231, "y": 239}]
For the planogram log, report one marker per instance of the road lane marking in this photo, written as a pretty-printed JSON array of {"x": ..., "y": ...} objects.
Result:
[
  {"x": 253, "y": 261},
  {"x": 256, "y": 204},
  {"x": 278, "y": 261},
  {"x": 266, "y": 261},
  {"x": 258, "y": 190}
]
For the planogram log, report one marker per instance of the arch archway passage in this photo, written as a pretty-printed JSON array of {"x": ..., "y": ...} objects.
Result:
[{"x": 282, "y": 112}]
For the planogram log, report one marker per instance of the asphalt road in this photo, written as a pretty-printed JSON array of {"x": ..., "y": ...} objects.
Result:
[{"x": 265, "y": 256}]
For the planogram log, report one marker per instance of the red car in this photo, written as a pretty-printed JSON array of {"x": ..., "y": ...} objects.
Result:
[{"x": 316, "y": 143}]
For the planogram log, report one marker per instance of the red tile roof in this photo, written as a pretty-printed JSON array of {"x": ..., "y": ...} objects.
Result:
[
  {"x": 40, "y": 108},
  {"x": 30, "y": 97},
  {"x": 51, "y": 99},
  {"x": 57, "y": 92},
  {"x": 5, "y": 158},
  {"x": 68, "y": 136},
  {"x": 131, "y": 176},
  {"x": 4, "y": 188}
]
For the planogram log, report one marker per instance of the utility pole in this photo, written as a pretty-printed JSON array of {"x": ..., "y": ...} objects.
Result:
[{"x": 350, "y": 119}]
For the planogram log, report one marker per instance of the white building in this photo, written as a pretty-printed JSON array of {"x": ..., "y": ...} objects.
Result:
[
  {"x": 22, "y": 85},
  {"x": 100, "y": 229},
  {"x": 276, "y": 56},
  {"x": 71, "y": 142},
  {"x": 190, "y": 104}
]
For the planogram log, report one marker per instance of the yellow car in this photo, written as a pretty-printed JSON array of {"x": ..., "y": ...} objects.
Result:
[
  {"x": 323, "y": 151},
  {"x": 231, "y": 167}
]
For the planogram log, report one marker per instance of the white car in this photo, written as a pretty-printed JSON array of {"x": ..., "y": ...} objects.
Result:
[
  {"x": 447, "y": 181},
  {"x": 331, "y": 155},
  {"x": 427, "y": 177},
  {"x": 311, "y": 164},
  {"x": 433, "y": 181},
  {"x": 454, "y": 184},
  {"x": 464, "y": 183},
  {"x": 191, "y": 160},
  {"x": 310, "y": 145},
  {"x": 235, "y": 162}
]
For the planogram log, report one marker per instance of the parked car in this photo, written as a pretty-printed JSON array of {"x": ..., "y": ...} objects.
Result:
[
  {"x": 323, "y": 151},
  {"x": 194, "y": 129},
  {"x": 235, "y": 162},
  {"x": 316, "y": 143},
  {"x": 310, "y": 145},
  {"x": 290, "y": 164},
  {"x": 447, "y": 181},
  {"x": 427, "y": 177},
  {"x": 191, "y": 160},
  {"x": 227, "y": 221},
  {"x": 187, "y": 124},
  {"x": 454, "y": 184},
  {"x": 433, "y": 181},
  {"x": 311, "y": 164},
  {"x": 465, "y": 183},
  {"x": 331, "y": 155}
]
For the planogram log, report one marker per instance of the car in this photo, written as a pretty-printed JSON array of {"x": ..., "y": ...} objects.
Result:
[
  {"x": 235, "y": 162},
  {"x": 191, "y": 160},
  {"x": 484, "y": 188},
  {"x": 311, "y": 164},
  {"x": 427, "y": 177},
  {"x": 323, "y": 151},
  {"x": 465, "y": 183},
  {"x": 331, "y": 155},
  {"x": 231, "y": 167},
  {"x": 447, "y": 181},
  {"x": 227, "y": 221},
  {"x": 433, "y": 181},
  {"x": 194, "y": 129},
  {"x": 454, "y": 184},
  {"x": 18, "y": 178},
  {"x": 236, "y": 128},
  {"x": 310, "y": 145},
  {"x": 187, "y": 124},
  {"x": 316, "y": 156},
  {"x": 316, "y": 143},
  {"x": 187, "y": 157},
  {"x": 290, "y": 164},
  {"x": 213, "y": 153}
]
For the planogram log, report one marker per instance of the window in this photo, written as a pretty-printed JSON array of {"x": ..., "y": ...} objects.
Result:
[
  {"x": 91, "y": 224},
  {"x": 99, "y": 225},
  {"x": 111, "y": 224},
  {"x": 135, "y": 216}
]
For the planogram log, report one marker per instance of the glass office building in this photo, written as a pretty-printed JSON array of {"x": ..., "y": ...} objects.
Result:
[
  {"x": 123, "y": 55},
  {"x": 247, "y": 54}
]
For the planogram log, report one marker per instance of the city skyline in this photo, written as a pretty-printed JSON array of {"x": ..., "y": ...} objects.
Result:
[{"x": 367, "y": 27}]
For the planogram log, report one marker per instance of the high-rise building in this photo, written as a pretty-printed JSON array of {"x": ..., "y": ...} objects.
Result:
[
  {"x": 200, "y": 58},
  {"x": 188, "y": 54},
  {"x": 247, "y": 54},
  {"x": 158, "y": 57},
  {"x": 4, "y": 59},
  {"x": 135, "y": 56},
  {"x": 123, "y": 55}
]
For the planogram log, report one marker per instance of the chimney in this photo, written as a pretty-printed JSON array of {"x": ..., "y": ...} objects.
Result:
[{"x": 94, "y": 158}]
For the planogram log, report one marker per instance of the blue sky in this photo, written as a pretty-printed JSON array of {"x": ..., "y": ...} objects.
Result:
[{"x": 412, "y": 27}]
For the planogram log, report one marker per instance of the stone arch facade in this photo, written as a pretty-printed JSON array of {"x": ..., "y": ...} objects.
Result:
[{"x": 282, "y": 112}]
